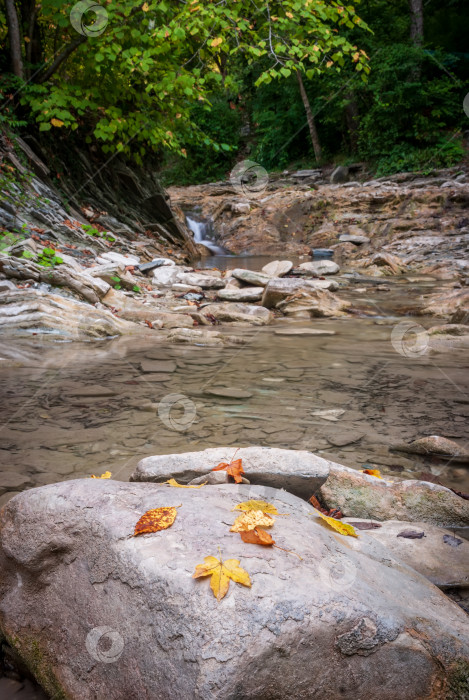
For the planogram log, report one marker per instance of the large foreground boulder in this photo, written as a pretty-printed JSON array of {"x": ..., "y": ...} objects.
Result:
[
  {"x": 233, "y": 312},
  {"x": 96, "y": 613},
  {"x": 297, "y": 471}
]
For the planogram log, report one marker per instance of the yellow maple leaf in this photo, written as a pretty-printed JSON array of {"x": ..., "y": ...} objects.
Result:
[
  {"x": 106, "y": 475},
  {"x": 173, "y": 482},
  {"x": 216, "y": 42},
  {"x": 145, "y": 7},
  {"x": 289, "y": 15},
  {"x": 338, "y": 525},
  {"x": 257, "y": 505},
  {"x": 56, "y": 122},
  {"x": 221, "y": 573},
  {"x": 155, "y": 520},
  {"x": 372, "y": 472},
  {"x": 251, "y": 520}
]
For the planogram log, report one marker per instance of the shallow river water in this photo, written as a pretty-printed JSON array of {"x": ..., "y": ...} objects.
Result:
[{"x": 72, "y": 410}]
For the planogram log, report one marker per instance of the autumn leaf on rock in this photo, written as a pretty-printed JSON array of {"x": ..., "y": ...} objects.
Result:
[
  {"x": 106, "y": 475},
  {"x": 251, "y": 520},
  {"x": 173, "y": 482},
  {"x": 372, "y": 472},
  {"x": 257, "y": 536},
  {"x": 233, "y": 468},
  {"x": 221, "y": 573},
  {"x": 155, "y": 520},
  {"x": 257, "y": 505},
  {"x": 342, "y": 528}
]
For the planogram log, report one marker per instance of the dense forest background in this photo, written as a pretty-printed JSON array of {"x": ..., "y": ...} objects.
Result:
[{"x": 192, "y": 87}]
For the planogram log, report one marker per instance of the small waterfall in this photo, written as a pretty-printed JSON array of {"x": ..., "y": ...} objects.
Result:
[{"x": 203, "y": 233}]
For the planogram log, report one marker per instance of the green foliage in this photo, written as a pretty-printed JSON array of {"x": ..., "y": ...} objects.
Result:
[{"x": 93, "y": 231}]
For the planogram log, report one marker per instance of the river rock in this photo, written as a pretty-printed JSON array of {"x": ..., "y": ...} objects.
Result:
[
  {"x": 96, "y": 613},
  {"x": 12, "y": 481},
  {"x": 313, "y": 304},
  {"x": 125, "y": 260},
  {"x": 196, "y": 336},
  {"x": 241, "y": 294},
  {"x": 356, "y": 239},
  {"x": 297, "y": 471},
  {"x": 438, "y": 554},
  {"x": 30, "y": 311},
  {"x": 363, "y": 496},
  {"x": 280, "y": 288},
  {"x": 228, "y": 392},
  {"x": 198, "y": 279},
  {"x": 158, "y": 366},
  {"x": 229, "y": 312},
  {"x": 133, "y": 309},
  {"x": 447, "y": 303},
  {"x": 256, "y": 279},
  {"x": 155, "y": 263},
  {"x": 166, "y": 275},
  {"x": 435, "y": 446},
  {"x": 278, "y": 268},
  {"x": 392, "y": 262},
  {"x": 339, "y": 175},
  {"x": 319, "y": 268}
]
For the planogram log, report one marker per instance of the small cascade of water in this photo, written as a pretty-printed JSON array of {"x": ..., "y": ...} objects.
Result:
[{"x": 203, "y": 233}]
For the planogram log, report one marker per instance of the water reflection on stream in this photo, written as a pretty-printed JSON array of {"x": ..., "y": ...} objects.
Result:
[{"x": 71, "y": 410}]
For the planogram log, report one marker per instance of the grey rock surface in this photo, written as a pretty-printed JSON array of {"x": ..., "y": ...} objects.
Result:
[
  {"x": 339, "y": 175},
  {"x": 438, "y": 555},
  {"x": 99, "y": 614},
  {"x": 248, "y": 313},
  {"x": 279, "y": 288},
  {"x": 297, "y": 471},
  {"x": 241, "y": 294},
  {"x": 256, "y": 279},
  {"x": 363, "y": 496},
  {"x": 278, "y": 268},
  {"x": 318, "y": 268}
]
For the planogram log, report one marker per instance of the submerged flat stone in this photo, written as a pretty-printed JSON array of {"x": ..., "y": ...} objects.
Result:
[{"x": 228, "y": 392}]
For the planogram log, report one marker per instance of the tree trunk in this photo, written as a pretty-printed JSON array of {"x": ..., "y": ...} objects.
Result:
[
  {"x": 352, "y": 116},
  {"x": 14, "y": 37},
  {"x": 416, "y": 22},
  {"x": 310, "y": 117}
]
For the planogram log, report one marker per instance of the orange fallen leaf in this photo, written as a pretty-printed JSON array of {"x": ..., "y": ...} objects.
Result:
[
  {"x": 251, "y": 520},
  {"x": 257, "y": 505},
  {"x": 233, "y": 468},
  {"x": 257, "y": 536},
  {"x": 173, "y": 482},
  {"x": 372, "y": 472},
  {"x": 221, "y": 573},
  {"x": 155, "y": 520},
  {"x": 106, "y": 475},
  {"x": 340, "y": 527}
]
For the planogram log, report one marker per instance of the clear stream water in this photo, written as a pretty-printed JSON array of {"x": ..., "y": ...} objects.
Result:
[{"x": 74, "y": 409}]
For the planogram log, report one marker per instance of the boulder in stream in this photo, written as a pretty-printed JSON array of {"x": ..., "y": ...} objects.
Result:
[
  {"x": 233, "y": 312},
  {"x": 279, "y": 289},
  {"x": 363, "y": 496},
  {"x": 241, "y": 294},
  {"x": 297, "y": 471},
  {"x": 97, "y": 613}
]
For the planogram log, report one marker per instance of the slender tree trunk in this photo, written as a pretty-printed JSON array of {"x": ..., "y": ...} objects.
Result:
[
  {"x": 352, "y": 116},
  {"x": 14, "y": 37},
  {"x": 310, "y": 117},
  {"x": 416, "y": 21}
]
